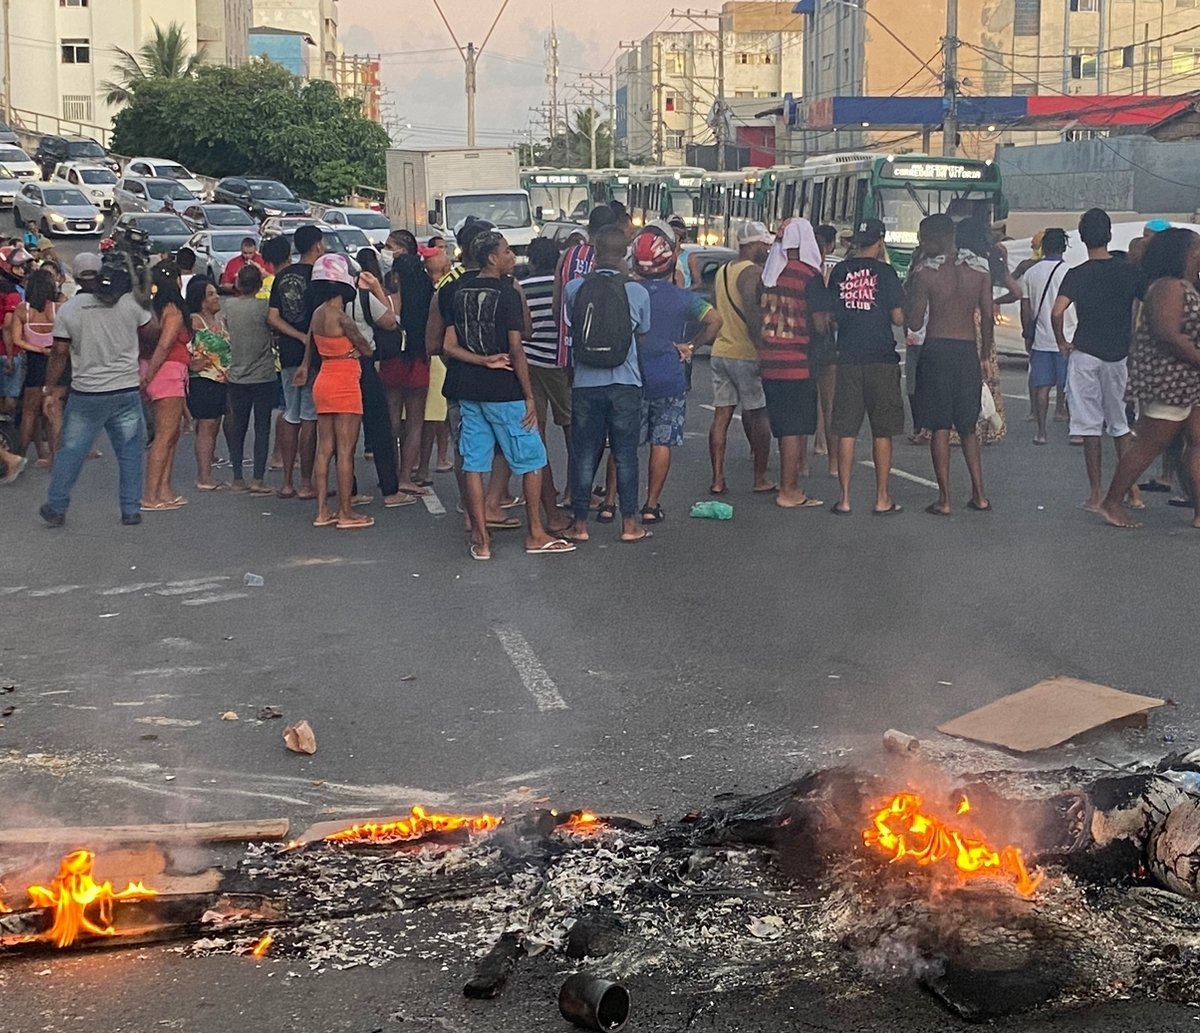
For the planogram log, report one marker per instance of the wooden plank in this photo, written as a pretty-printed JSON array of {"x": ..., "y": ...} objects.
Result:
[{"x": 188, "y": 832}]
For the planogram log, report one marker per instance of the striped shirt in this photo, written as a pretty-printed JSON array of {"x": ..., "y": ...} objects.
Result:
[
  {"x": 787, "y": 330},
  {"x": 542, "y": 348},
  {"x": 577, "y": 261}
]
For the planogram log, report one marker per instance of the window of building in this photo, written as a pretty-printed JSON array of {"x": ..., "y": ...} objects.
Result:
[
  {"x": 1027, "y": 18},
  {"x": 744, "y": 93},
  {"x": 1187, "y": 3},
  {"x": 1025, "y": 88},
  {"x": 673, "y": 139},
  {"x": 1185, "y": 59},
  {"x": 77, "y": 107},
  {"x": 670, "y": 102},
  {"x": 1085, "y": 5},
  {"x": 76, "y": 51},
  {"x": 1083, "y": 65},
  {"x": 676, "y": 64},
  {"x": 72, "y": 3},
  {"x": 827, "y": 63}
]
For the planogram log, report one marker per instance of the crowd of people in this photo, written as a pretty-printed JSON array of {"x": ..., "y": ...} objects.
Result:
[{"x": 421, "y": 354}]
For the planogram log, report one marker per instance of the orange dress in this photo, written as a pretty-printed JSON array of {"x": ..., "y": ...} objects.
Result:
[{"x": 336, "y": 389}]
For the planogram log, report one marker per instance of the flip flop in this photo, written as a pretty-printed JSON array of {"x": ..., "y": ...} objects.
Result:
[
  {"x": 179, "y": 500},
  {"x": 932, "y": 510},
  {"x": 1154, "y": 485},
  {"x": 417, "y": 493},
  {"x": 160, "y": 507},
  {"x": 1181, "y": 503},
  {"x": 407, "y": 500},
  {"x": 362, "y": 500},
  {"x": 893, "y": 509},
  {"x": 722, "y": 491},
  {"x": 806, "y": 504},
  {"x": 443, "y": 469},
  {"x": 640, "y": 538},
  {"x": 766, "y": 491},
  {"x": 327, "y": 522},
  {"x": 512, "y": 503},
  {"x": 552, "y": 548},
  {"x": 475, "y": 554},
  {"x": 217, "y": 486},
  {"x": 15, "y": 471},
  {"x": 422, "y": 483},
  {"x": 839, "y": 512},
  {"x": 285, "y": 494},
  {"x": 261, "y": 491},
  {"x": 355, "y": 525},
  {"x": 503, "y": 525},
  {"x": 971, "y": 504}
]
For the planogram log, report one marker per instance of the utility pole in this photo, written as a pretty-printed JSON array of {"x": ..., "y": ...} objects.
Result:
[
  {"x": 593, "y": 93},
  {"x": 612, "y": 119},
  {"x": 8, "y": 104},
  {"x": 950, "y": 80},
  {"x": 633, "y": 97},
  {"x": 470, "y": 58},
  {"x": 552, "y": 70},
  {"x": 722, "y": 125}
]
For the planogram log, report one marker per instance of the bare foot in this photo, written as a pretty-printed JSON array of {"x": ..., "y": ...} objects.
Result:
[
  {"x": 1134, "y": 499},
  {"x": 1116, "y": 516},
  {"x": 719, "y": 488},
  {"x": 1196, "y": 523},
  {"x": 577, "y": 532},
  {"x": 412, "y": 488},
  {"x": 1091, "y": 505}
]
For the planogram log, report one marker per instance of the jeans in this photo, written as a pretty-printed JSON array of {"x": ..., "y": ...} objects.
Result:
[
  {"x": 615, "y": 411},
  {"x": 242, "y": 399},
  {"x": 377, "y": 429},
  {"x": 121, "y": 416}
]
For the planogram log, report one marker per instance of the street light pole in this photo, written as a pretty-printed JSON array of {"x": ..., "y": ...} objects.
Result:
[
  {"x": 470, "y": 58},
  {"x": 950, "y": 56}
]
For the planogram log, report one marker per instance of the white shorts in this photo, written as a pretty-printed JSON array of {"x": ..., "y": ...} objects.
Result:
[
  {"x": 1096, "y": 396},
  {"x": 736, "y": 382}
]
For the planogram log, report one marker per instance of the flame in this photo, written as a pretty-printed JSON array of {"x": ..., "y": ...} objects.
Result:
[
  {"x": 902, "y": 830},
  {"x": 74, "y": 893},
  {"x": 419, "y": 825},
  {"x": 263, "y": 945},
  {"x": 581, "y": 821}
]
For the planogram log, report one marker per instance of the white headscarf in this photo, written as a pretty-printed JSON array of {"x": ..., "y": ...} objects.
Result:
[{"x": 798, "y": 234}]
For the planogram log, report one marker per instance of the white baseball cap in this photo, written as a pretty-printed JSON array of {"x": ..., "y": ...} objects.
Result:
[{"x": 754, "y": 233}]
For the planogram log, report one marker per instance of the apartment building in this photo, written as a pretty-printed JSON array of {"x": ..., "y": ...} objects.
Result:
[
  {"x": 318, "y": 19},
  {"x": 668, "y": 89},
  {"x": 223, "y": 30}
]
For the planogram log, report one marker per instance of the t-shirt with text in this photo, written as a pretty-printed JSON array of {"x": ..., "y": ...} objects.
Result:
[
  {"x": 1103, "y": 290},
  {"x": 864, "y": 292},
  {"x": 486, "y": 309}
]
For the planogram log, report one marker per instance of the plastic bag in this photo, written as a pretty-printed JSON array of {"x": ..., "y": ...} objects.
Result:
[{"x": 711, "y": 509}]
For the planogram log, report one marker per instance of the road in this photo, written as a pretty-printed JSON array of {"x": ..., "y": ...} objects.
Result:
[{"x": 720, "y": 657}]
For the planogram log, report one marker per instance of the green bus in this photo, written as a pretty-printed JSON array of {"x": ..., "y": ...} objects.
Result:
[
  {"x": 657, "y": 193},
  {"x": 555, "y": 193}
]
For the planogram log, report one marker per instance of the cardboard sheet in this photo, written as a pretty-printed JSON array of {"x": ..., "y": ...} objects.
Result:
[{"x": 1046, "y": 714}]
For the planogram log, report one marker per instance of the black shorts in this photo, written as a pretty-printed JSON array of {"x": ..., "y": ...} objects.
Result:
[
  {"x": 791, "y": 407},
  {"x": 871, "y": 390},
  {"x": 949, "y": 385},
  {"x": 35, "y": 370},
  {"x": 206, "y": 399}
]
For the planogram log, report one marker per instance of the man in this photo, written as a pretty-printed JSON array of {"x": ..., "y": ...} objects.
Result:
[
  {"x": 1137, "y": 246},
  {"x": 576, "y": 262},
  {"x": 1047, "y": 364},
  {"x": 663, "y": 354},
  {"x": 102, "y": 343},
  {"x": 868, "y": 303},
  {"x": 495, "y": 397},
  {"x": 249, "y": 255},
  {"x": 276, "y": 255},
  {"x": 950, "y": 299},
  {"x": 185, "y": 258},
  {"x": 734, "y": 360},
  {"x": 795, "y": 314},
  {"x": 288, "y": 315},
  {"x": 12, "y": 356},
  {"x": 1102, "y": 291},
  {"x": 606, "y": 399}
]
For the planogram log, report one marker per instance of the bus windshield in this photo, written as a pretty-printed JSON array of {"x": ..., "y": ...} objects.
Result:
[
  {"x": 902, "y": 208},
  {"x": 504, "y": 211},
  {"x": 682, "y": 202}
]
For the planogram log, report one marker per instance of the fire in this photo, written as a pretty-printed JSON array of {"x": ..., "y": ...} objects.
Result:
[
  {"x": 903, "y": 831},
  {"x": 580, "y": 821},
  {"x": 419, "y": 825},
  {"x": 81, "y": 905},
  {"x": 263, "y": 945}
]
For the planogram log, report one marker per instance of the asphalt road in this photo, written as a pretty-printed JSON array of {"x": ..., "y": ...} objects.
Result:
[{"x": 721, "y": 656}]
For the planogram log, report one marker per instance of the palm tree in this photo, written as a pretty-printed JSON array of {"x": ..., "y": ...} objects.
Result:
[{"x": 166, "y": 56}]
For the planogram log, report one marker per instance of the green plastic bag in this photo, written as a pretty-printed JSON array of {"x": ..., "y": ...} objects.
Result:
[{"x": 711, "y": 509}]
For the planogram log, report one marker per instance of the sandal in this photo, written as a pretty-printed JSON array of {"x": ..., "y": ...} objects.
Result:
[
  {"x": 355, "y": 525},
  {"x": 606, "y": 514},
  {"x": 652, "y": 514},
  {"x": 325, "y": 521}
]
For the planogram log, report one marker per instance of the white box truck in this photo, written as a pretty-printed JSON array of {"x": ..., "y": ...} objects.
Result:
[{"x": 433, "y": 191}]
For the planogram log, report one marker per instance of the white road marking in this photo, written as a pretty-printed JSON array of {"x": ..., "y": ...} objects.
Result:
[
  {"x": 433, "y": 504},
  {"x": 902, "y": 474},
  {"x": 534, "y": 676},
  {"x": 165, "y": 672},
  {"x": 187, "y": 589},
  {"x": 140, "y": 586},
  {"x": 1018, "y": 398},
  {"x": 198, "y": 581},
  {"x": 56, "y": 590},
  {"x": 204, "y": 600},
  {"x": 13, "y": 590},
  {"x": 713, "y": 408}
]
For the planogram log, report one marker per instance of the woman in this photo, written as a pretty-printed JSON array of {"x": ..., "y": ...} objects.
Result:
[
  {"x": 207, "y": 393},
  {"x": 165, "y": 381},
  {"x": 1164, "y": 368},
  {"x": 33, "y": 333},
  {"x": 252, "y": 383},
  {"x": 336, "y": 392}
]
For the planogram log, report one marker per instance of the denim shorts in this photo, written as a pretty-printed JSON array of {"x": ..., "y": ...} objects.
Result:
[
  {"x": 488, "y": 424},
  {"x": 298, "y": 405},
  {"x": 12, "y": 384},
  {"x": 1047, "y": 369},
  {"x": 663, "y": 420}
]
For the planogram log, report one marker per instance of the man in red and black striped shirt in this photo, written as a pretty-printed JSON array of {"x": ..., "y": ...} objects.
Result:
[{"x": 795, "y": 312}]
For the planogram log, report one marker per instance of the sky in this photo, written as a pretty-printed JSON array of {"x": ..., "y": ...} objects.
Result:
[{"x": 424, "y": 73}]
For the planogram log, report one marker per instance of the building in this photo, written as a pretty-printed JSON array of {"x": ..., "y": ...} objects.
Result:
[
  {"x": 358, "y": 77},
  {"x": 223, "y": 30},
  {"x": 1018, "y": 48},
  {"x": 668, "y": 89},
  {"x": 292, "y": 49},
  {"x": 316, "y": 18}
]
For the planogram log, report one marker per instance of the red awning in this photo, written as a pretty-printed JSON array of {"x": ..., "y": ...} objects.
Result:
[{"x": 1107, "y": 111}]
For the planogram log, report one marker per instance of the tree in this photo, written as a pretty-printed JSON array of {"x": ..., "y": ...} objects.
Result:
[
  {"x": 573, "y": 148},
  {"x": 256, "y": 119},
  {"x": 166, "y": 56}
]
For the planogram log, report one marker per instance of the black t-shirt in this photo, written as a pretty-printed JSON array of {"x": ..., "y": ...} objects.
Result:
[
  {"x": 865, "y": 290},
  {"x": 408, "y": 277},
  {"x": 485, "y": 309},
  {"x": 1103, "y": 290},
  {"x": 445, "y": 304},
  {"x": 289, "y": 295}
]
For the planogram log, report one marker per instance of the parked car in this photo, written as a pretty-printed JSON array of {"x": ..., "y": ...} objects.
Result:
[
  {"x": 8, "y": 134},
  {"x": 218, "y": 216},
  {"x": 55, "y": 149},
  {"x": 18, "y": 162},
  {"x": 375, "y": 225},
  {"x": 134, "y": 194},
  {"x": 161, "y": 168},
  {"x": 10, "y": 186},
  {"x": 286, "y": 224},
  {"x": 156, "y": 233},
  {"x": 57, "y": 210},
  {"x": 559, "y": 231},
  {"x": 262, "y": 198},
  {"x": 353, "y": 239},
  {"x": 96, "y": 181},
  {"x": 328, "y": 233},
  {"x": 707, "y": 261},
  {"x": 215, "y": 249}
]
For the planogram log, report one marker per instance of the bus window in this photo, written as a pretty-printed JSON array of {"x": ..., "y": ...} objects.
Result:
[
  {"x": 813, "y": 214},
  {"x": 860, "y": 200},
  {"x": 789, "y": 202},
  {"x": 829, "y": 208}
]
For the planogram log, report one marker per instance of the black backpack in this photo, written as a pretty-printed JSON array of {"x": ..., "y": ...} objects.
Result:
[{"x": 601, "y": 323}]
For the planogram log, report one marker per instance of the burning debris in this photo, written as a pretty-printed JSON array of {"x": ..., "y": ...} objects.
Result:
[
  {"x": 418, "y": 825},
  {"x": 82, "y": 906}
]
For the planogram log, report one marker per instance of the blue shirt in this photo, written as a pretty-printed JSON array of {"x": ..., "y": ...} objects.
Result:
[
  {"x": 674, "y": 314},
  {"x": 628, "y": 373}
]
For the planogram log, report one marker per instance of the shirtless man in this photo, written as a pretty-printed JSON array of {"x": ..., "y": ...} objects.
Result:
[{"x": 950, "y": 375}]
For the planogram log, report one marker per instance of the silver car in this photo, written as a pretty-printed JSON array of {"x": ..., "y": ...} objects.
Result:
[
  {"x": 374, "y": 224},
  {"x": 57, "y": 210},
  {"x": 18, "y": 162},
  {"x": 135, "y": 194},
  {"x": 10, "y": 186},
  {"x": 353, "y": 239},
  {"x": 215, "y": 249}
]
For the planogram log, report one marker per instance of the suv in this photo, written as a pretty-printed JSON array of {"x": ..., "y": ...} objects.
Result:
[
  {"x": 55, "y": 149},
  {"x": 262, "y": 198}
]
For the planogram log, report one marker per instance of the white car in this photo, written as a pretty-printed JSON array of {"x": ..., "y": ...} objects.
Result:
[
  {"x": 10, "y": 186},
  {"x": 160, "y": 168},
  {"x": 19, "y": 163},
  {"x": 374, "y": 224},
  {"x": 96, "y": 181}
]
